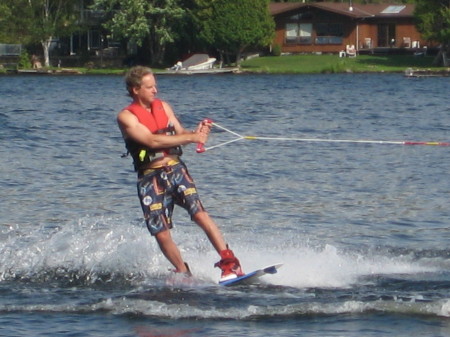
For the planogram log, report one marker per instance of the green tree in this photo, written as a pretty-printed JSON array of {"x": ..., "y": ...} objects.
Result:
[
  {"x": 40, "y": 21},
  {"x": 5, "y": 17},
  {"x": 149, "y": 22},
  {"x": 201, "y": 14},
  {"x": 12, "y": 28},
  {"x": 234, "y": 26},
  {"x": 356, "y": 1},
  {"x": 433, "y": 21}
]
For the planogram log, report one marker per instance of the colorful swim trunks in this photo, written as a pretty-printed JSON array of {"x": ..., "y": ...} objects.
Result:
[{"x": 160, "y": 189}]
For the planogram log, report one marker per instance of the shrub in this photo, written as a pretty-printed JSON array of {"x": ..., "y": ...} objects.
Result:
[
  {"x": 24, "y": 60},
  {"x": 276, "y": 50}
]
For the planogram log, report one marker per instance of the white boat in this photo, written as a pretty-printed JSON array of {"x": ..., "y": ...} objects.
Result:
[
  {"x": 212, "y": 71},
  {"x": 202, "y": 66},
  {"x": 196, "y": 62}
]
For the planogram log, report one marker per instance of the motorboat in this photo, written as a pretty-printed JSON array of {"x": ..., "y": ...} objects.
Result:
[{"x": 196, "y": 62}]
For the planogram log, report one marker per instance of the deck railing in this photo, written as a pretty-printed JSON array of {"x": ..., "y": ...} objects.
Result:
[{"x": 10, "y": 49}]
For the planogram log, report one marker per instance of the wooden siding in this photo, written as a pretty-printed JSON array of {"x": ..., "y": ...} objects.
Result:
[{"x": 364, "y": 31}]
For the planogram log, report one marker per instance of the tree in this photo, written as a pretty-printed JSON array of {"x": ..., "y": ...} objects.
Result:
[
  {"x": 355, "y": 1},
  {"x": 234, "y": 26},
  {"x": 144, "y": 21},
  {"x": 5, "y": 17},
  {"x": 433, "y": 18},
  {"x": 51, "y": 18},
  {"x": 12, "y": 29},
  {"x": 40, "y": 21},
  {"x": 46, "y": 19}
]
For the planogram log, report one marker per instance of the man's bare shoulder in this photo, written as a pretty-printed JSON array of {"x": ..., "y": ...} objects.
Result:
[
  {"x": 167, "y": 107},
  {"x": 126, "y": 117},
  {"x": 125, "y": 113},
  {"x": 170, "y": 113}
]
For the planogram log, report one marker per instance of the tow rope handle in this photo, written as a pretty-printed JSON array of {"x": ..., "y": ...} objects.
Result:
[{"x": 201, "y": 146}]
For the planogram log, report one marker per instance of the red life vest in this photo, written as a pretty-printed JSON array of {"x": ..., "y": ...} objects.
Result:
[{"x": 157, "y": 122}]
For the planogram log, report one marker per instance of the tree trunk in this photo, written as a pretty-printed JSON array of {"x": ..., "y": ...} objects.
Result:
[
  {"x": 444, "y": 58},
  {"x": 222, "y": 58},
  {"x": 158, "y": 57},
  {"x": 238, "y": 57},
  {"x": 46, "y": 47},
  {"x": 150, "y": 57},
  {"x": 158, "y": 50},
  {"x": 441, "y": 58}
]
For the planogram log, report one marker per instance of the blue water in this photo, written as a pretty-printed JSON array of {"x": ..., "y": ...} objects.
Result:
[{"x": 362, "y": 228}]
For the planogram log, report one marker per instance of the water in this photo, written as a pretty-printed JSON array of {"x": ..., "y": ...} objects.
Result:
[{"x": 362, "y": 229}]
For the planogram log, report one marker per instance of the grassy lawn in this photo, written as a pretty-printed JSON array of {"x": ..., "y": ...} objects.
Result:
[
  {"x": 303, "y": 64},
  {"x": 312, "y": 64}
]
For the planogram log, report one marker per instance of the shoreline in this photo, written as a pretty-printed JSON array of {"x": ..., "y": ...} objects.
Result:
[{"x": 408, "y": 72}]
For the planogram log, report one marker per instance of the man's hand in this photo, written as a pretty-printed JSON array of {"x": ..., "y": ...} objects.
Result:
[
  {"x": 203, "y": 129},
  {"x": 204, "y": 126}
]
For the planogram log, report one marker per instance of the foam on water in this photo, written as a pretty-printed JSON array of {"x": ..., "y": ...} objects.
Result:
[
  {"x": 98, "y": 247},
  {"x": 189, "y": 310}
]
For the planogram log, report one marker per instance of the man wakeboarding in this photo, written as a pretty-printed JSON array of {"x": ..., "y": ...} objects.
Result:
[{"x": 153, "y": 136}]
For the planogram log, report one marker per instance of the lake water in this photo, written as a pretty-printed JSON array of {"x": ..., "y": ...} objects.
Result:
[{"x": 362, "y": 228}]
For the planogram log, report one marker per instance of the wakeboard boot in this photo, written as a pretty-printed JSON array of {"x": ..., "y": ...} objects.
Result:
[{"x": 229, "y": 264}]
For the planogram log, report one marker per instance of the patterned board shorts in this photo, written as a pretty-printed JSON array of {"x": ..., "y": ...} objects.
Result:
[{"x": 160, "y": 189}]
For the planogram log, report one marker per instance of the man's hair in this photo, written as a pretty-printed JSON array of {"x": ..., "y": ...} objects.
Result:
[{"x": 133, "y": 78}]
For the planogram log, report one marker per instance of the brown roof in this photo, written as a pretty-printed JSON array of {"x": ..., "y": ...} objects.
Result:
[
  {"x": 359, "y": 10},
  {"x": 276, "y": 8}
]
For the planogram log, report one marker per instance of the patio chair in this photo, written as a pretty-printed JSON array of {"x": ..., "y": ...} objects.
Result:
[
  {"x": 350, "y": 50},
  {"x": 407, "y": 42}
]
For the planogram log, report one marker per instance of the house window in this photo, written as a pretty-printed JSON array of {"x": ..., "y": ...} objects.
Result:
[
  {"x": 291, "y": 32},
  {"x": 299, "y": 33},
  {"x": 305, "y": 33},
  {"x": 329, "y": 33},
  {"x": 95, "y": 39}
]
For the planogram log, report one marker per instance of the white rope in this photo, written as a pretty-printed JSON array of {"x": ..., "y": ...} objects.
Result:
[
  {"x": 224, "y": 143},
  {"x": 327, "y": 140},
  {"x": 228, "y": 130},
  {"x": 360, "y": 141}
]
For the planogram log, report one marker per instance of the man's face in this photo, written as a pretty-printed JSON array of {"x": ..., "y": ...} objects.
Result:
[{"x": 147, "y": 91}]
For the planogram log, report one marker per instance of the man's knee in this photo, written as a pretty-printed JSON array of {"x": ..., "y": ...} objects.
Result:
[
  {"x": 200, "y": 217},
  {"x": 163, "y": 236}
]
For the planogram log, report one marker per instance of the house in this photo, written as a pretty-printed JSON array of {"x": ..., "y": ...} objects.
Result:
[
  {"x": 93, "y": 44},
  {"x": 325, "y": 27}
]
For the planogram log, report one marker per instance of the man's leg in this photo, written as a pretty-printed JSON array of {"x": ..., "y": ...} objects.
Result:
[
  {"x": 228, "y": 263},
  {"x": 212, "y": 231},
  {"x": 171, "y": 251}
]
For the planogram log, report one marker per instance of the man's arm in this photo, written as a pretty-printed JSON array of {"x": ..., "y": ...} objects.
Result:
[{"x": 132, "y": 128}]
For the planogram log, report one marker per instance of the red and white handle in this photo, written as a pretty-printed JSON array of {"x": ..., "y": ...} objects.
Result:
[{"x": 201, "y": 146}]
